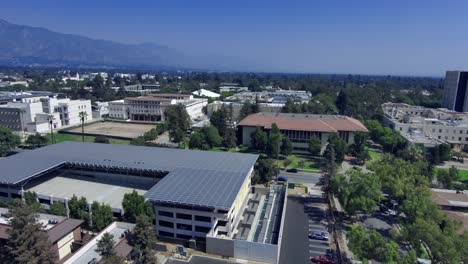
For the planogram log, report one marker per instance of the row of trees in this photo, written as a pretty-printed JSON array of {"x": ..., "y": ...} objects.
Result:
[
  {"x": 406, "y": 183},
  {"x": 273, "y": 143}
]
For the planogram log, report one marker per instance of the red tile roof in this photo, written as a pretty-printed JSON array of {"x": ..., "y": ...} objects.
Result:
[{"x": 304, "y": 122}]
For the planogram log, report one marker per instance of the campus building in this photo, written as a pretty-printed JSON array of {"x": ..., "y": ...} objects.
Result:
[
  {"x": 193, "y": 192},
  {"x": 455, "y": 91},
  {"x": 427, "y": 126},
  {"x": 300, "y": 128},
  {"x": 63, "y": 233},
  {"x": 152, "y": 107},
  {"x": 34, "y": 114}
]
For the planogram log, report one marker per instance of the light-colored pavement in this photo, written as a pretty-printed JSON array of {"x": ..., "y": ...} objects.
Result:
[
  {"x": 301, "y": 177},
  {"x": 91, "y": 253}
]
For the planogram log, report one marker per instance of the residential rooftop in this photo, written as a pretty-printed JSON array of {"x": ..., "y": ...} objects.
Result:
[
  {"x": 304, "y": 122},
  {"x": 192, "y": 177}
]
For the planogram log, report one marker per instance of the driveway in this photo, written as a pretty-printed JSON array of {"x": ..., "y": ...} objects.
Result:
[{"x": 301, "y": 177}]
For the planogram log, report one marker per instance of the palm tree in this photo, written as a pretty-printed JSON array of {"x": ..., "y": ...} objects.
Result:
[
  {"x": 51, "y": 118},
  {"x": 83, "y": 116}
]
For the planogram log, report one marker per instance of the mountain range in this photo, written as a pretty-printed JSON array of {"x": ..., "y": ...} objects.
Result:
[{"x": 33, "y": 46}]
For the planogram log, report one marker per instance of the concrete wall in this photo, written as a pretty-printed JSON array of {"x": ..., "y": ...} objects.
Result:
[{"x": 256, "y": 251}]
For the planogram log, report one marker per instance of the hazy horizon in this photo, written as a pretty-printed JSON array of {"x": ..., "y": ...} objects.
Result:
[{"x": 341, "y": 37}]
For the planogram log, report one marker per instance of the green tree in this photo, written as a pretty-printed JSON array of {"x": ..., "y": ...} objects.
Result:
[
  {"x": 30, "y": 199},
  {"x": 151, "y": 135},
  {"x": 197, "y": 141},
  {"x": 259, "y": 140},
  {"x": 286, "y": 146},
  {"x": 37, "y": 140},
  {"x": 138, "y": 142},
  {"x": 83, "y": 116},
  {"x": 211, "y": 136},
  {"x": 286, "y": 163},
  {"x": 58, "y": 208},
  {"x": 230, "y": 138},
  {"x": 363, "y": 156},
  {"x": 28, "y": 242},
  {"x": 265, "y": 170},
  {"x": 101, "y": 215},
  {"x": 338, "y": 145},
  {"x": 178, "y": 122},
  {"x": 134, "y": 205},
  {"x": 359, "y": 144},
  {"x": 342, "y": 102},
  {"x": 105, "y": 245},
  {"x": 315, "y": 146},
  {"x": 143, "y": 239},
  {"x": 357, "y": 191},
  {"x": 8, "y": 141},
  {"x": 79, "y": 209},
  {"x": 101, "y": 139},
  {"x": 274, "y": 141}
]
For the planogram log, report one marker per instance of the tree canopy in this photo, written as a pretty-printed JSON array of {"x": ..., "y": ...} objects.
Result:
[
  {"x": 8, "y": 141},
  {"x": 134, "y": 205},
  {"x": 178, "y": 122}
]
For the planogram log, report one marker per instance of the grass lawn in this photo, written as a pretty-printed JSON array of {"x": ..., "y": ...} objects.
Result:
[
  {"x": 67, "y": 137},
  {"x": 374, "y": 154},
  {"x": 463, "y": 174},
  {"x": 309, "y": 164}
]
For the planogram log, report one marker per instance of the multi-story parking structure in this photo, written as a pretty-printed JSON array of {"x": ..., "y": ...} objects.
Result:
[{"x": 192, "y": 192}]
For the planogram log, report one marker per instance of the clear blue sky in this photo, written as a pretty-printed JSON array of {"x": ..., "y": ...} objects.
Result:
[{"x": 320, "y": 36}]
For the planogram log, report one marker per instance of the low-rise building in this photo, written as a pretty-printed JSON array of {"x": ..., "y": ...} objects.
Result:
[
  {"x": 206, "y": 93},
  {"x": 427, "y": 126},
  {"x": 232, "y": 87},
  {"x": 36, "y": 115},
  {"x": 143, "y": 89},
  {"x": 62, "y": 232},
  {"x": 277, "y": 96},
  {"x": 453, "y": 203},
  {"x": 152, "y": 107},
  {"x": 300, "y": 128}
]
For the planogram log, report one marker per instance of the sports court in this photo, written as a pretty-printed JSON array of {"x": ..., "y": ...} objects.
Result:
[{"x": 116, "y": 129}]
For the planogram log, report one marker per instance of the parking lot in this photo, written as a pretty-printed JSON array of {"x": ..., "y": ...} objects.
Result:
[
  {"x": 304, "y": 214},
  {"x": 117, "y": 129}
]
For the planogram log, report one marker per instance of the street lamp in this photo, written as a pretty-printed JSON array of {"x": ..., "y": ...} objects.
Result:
[
  {"x": 51, "y": 118},
  {"x": 83, "y": 116}
]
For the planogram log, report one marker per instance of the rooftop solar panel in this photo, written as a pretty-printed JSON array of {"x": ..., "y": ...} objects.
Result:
[{"x": 199, "y": 178}]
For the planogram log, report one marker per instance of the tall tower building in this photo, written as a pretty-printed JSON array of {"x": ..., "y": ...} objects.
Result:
[{"x": 455, "y": 91}]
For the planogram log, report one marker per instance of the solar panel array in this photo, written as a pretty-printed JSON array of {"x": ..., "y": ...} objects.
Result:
[{"x": 198, "y": 178}]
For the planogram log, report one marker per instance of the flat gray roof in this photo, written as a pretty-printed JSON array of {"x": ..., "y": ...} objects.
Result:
[{"x": 196, "y": 178}]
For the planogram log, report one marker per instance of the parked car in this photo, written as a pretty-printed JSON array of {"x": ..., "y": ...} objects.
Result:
[
  {"x": 292, "y": 170},
  {"x": 319, "y": 235},
  {"x": 282, "y": 179},
  {"x": 322, "y": 260}
]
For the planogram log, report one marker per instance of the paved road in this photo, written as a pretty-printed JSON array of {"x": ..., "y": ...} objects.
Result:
[{"x": 301, "y": 177}]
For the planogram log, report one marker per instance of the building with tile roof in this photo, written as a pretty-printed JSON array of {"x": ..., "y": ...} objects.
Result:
[{"x": 300, "y": 128}]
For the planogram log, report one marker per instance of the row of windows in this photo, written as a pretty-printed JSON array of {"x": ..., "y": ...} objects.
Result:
[
  {"x": 185, "y": 216},
  {"x": 185, "y": 227},
  {"x": 453, "y": 138},
  {"x": 181, "y": 236},
  {"x": 447, "y": 131}
]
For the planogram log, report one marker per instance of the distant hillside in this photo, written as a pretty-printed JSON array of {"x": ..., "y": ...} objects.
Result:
[{"x": 25, "y": 45}]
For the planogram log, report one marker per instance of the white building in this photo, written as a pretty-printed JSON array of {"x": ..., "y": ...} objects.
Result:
[
  {"x": 206, "y": 93},
  {"x": 35, "y": 114},
  {"x": 151, "y": 108},
  {"x": 426, "y": 125}
]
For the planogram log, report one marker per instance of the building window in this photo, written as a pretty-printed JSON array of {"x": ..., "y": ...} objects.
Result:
[
  {"x": 459, "y": 139},
  {"x": 166, "y": 214},
  {"x": 166, "y": 224},
  {"x": 202, "y": 229},
  {"x": 461, "y": 131},
  {"x": 166, "y": 234},
  {"x": 440, "y": 130},
  {"x": 184, "y": 227},
  {"x": 183, "y": 236},
  {"x": 203, "y": 218},
  {"x": 184, "y": 216}
]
